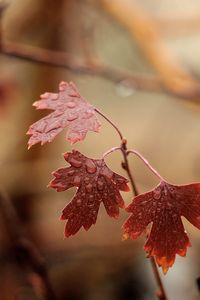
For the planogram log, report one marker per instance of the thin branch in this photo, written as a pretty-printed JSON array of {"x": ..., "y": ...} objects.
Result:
[
  {"x": 111, "y": 123},
  {"x": 111, "y": 151},
  {"x": 68, "y": 61},
  {"x": 146, "y": 32},
  {"x": 65, "y": 60},
  {"x": 23, "y": 246},
  {"x": 145, "y": 161}
]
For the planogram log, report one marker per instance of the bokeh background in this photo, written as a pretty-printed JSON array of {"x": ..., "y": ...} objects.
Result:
[{"x": 149, "y": 51}]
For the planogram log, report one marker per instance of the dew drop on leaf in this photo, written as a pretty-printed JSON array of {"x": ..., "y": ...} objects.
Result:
[
  {"x": 90, "y": 166},
  {"x": 157, "y": 194},
  {"x": 72, "y": 117},
  {"x": 77, "y": 181},
  {"x": 89, "y": 188},
  {"x": 71, "y": 173},
  {"x": 100, "y": 185},
  {"x": 78, "y": 202},
  {"x": 88, "y": 114},
  {"x": 71, "y": 104},
  {"x": 75, "y": 163}
]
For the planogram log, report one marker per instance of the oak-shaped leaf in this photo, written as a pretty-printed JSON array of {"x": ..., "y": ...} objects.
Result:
[
  {"x": 163, "y": 207},
  {"x": 70, "y": 110},
  {"x": 95, "y": 183}
]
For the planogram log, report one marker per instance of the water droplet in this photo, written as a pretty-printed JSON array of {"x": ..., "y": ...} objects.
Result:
[
  {"x": 105, "y": 195},
  {"x": 90, "y": 166},
  {"x": 120, "y": 180},
  {"x": 54, "y": 96},
  {"x": 91, "y": 197},
  {"x": 88, "y": 114},
  {"x": 71, "y": 104},
  {"x": 124, "y": 89},
  {"x": 94, "y": 212},
  {"x": 157, "y": 194},
  {"x": 75, "y": 163},
  {"x": 90, "y": 205},
  {"x": 42, "y": 127},
  {"x": 89, "y": 188},
  {"x": 71, "y": 172},
  {"x": 100, "y": 185},
  {"x": 78, "y": 202},
  {"x": 107, "y": 173},
  {"x": 77, "y": 181},
  {"x": 71, "y": 117},
  {"x": 87, "y": 180},
  {"x": 144, "y": 202},
  {"x": 99, "y": 163}
]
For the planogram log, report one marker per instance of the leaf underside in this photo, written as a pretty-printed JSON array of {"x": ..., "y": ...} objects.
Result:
[
  {"x": 69, "y": 110},
  {"x": 95, "y": 183},
  {"x": 163, "y": 208}
]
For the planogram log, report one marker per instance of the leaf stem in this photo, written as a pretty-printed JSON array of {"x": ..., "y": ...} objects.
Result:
[
  {"x": 145, "y": 161},
  {"x": 110, "y": 151},
  {"x": 111, "y": 123}
]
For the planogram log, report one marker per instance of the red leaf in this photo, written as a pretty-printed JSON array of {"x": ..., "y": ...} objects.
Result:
[
  {"x": 96, "y": 183},
  {"x": 164, "y": 207},
  {"x": 70, "y": 110}
]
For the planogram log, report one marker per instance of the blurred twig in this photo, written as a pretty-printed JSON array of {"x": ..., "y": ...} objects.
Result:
[
  {"x": 68, "y": 61},
  {"x": 180, "y": 26},
  {"x": 65, "y": 60},
  {"x": 147, "y": 35},
  {"x": 23, "y": 247}
]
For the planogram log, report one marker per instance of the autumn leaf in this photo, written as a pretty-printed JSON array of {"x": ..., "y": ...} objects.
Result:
[
  {"x": 163, "y": 207},
  {"x": 69, "y": 110},
  {"x": 96, "y": 183}
]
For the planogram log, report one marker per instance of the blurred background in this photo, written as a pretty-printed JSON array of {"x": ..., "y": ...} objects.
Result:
[{"x": 139, "y": 63}]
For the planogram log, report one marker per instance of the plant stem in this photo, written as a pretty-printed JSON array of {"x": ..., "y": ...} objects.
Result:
[
  {"x": 111, "y": 123},
  {"x": 146, "y": 163},
  {"x": 161, "y": 294},
  {"x": 125, "y": 166}
]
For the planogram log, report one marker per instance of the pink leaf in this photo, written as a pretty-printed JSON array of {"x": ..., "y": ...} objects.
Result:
[
  {"x": 95, "y": 183},
  {"x": 69, "y": 110},
  {"x": 163, "y": 207}
]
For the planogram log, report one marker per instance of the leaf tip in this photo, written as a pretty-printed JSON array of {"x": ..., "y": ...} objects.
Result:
[{"x": 125, "y": 236}]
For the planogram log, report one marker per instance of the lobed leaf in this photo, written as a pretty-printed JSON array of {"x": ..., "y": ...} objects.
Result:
[
  {"x": 95, "y": 183},
  {"x": 69, "y": 110},
  {"x": 163, "y": 207}
]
